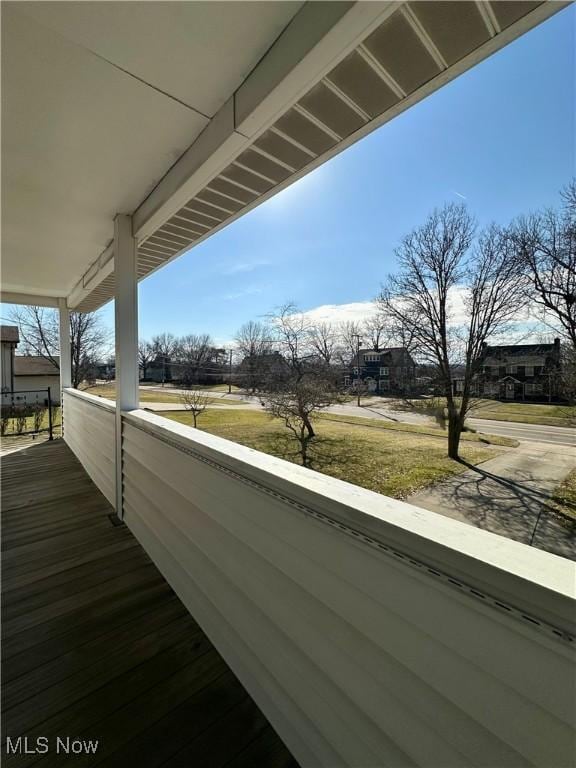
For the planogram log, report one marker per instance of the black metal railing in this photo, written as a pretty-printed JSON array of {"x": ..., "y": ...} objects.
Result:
[{"x": 28, "y": 412}]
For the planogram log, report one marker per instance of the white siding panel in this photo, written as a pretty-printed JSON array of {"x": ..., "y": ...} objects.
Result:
[
  {"x": 89, "y": 430},
  {"x": 358, "y": 656}
]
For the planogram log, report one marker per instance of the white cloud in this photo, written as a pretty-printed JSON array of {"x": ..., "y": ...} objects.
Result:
[
  {"x": 249, "y": 291},
  {"x": 235, "y": 269},
  {"x": 360, "y": 311},
  {"x": 357, "y": 311}
]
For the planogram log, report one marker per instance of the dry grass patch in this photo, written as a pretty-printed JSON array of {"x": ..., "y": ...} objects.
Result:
[
  {"x": 564, "y": 498},
  {"x": 149, "y": 396},
  {"x": 390, "y": 462}
]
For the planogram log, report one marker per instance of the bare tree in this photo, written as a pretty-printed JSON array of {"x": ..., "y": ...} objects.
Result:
[
  {"x": 296, "y": 403},
  {"x": 376, "y": 331},
  {"x": 349, "y": 332},
  {"x": 164, "y": 345},
  {"x": 546, "y": 242},
  {"x": 436, "y": 261},
  {"x": 39, "y": 332},
  {"x": 324, "y": 342},
  {"x": 290, "y": 331},
  {"x": 194, "y": 352},
  {"x": 194, "y": 401},
  {"x": 146, "y": 354},
  {"x": 252, "y": 343}
]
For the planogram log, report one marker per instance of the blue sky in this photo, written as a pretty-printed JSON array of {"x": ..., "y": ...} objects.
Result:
[{"x": 501, "y": 136}]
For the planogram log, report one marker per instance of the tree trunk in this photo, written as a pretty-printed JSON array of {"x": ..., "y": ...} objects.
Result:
[
  {"x": 194, "y": 416},
  {"x": 455, "y": 424},
  {"x": 308, "y": 425}
]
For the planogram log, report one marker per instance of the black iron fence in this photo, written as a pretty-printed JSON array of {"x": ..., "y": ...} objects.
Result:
[{"x": 29, "y": 412}]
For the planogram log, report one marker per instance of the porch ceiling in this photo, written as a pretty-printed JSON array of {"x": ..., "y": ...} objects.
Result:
[
  {"x": 99, "y": 104},
  {"x": 99, "y": 100}
]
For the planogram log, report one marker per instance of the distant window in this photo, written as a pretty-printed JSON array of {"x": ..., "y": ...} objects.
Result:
[
  {"x": 510, "y": 369},
  {"x": 355, "y": 371},
  {"x": 371, "y": 358},
  {"x": 384, "y": 384},
  {"x": 529, "y": 370},
  {"x": 384, "y": 371},
  {"x": 346, "y": 381}
]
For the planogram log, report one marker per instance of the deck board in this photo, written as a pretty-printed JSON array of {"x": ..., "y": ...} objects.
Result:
[{"x": 96, "y": 644}]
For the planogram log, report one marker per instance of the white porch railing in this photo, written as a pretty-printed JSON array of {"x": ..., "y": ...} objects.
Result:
[
  {"x": 89, "y": 430},
  {"x": 371, "y": 633}
]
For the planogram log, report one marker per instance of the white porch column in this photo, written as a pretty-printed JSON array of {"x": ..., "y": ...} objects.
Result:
[
  {"x": 126, "y": 327},
  {"x": 65, "y": 353}
]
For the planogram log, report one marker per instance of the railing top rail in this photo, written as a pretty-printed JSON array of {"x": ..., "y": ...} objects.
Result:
[
  {"x": 25, "y": 391},
  {"x": 100, "y": 402},
  {"x": 535, "y": 581}
]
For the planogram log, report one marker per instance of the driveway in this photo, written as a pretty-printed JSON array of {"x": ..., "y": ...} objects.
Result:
[{"x": 509, "y": 495}]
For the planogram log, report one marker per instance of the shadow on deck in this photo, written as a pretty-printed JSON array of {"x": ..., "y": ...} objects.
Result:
[{"x": 97, "y": 646}]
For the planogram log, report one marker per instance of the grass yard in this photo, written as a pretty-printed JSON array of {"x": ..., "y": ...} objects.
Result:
[
  {"x": 148, "y": 396},
  {"x": 394, "y": 463},
  {"x": 564, "y": 498},
  {"x": 204, "y": 387},
  {"x": 552, "y": 415},
  {"x": 29, "y": 424}
]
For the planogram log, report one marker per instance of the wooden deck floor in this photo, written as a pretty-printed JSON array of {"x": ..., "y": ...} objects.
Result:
[{"x": 97, "y": 646}]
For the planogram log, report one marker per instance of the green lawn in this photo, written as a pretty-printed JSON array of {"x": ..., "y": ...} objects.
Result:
[
  {"x": 564, "y": 498},
  {"x": 147, "y": 396},
  {"x": 206, "y": 387},
  {"x": 391, "y": 462},
  {"x": 29, "y": 425},
  {"x": 553, "y": 415}
]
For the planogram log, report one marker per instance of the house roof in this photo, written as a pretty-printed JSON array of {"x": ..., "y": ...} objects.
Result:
[
  {"x": 390, "y": 355},
  {"x": 34, "y": 365},
  {"x": 9, "y": 333},
  {"x": 509, "y": 350}
]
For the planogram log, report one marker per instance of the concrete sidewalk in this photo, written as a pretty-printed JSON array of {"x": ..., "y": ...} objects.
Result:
[{"x": 509, "y": 495}]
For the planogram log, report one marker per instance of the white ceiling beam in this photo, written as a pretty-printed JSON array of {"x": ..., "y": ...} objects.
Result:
[
  {"x": 13, "y": 297},
  {"x": 94, "y": 275}
]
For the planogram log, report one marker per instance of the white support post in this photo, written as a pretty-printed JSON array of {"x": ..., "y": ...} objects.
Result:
[
  {"x": 126, "y": 326},
  {"x": 65, "y": 354}
]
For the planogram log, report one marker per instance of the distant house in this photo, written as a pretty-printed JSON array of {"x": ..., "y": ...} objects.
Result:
[
  {"x": 387, "y": 370},
  {"x": 33, "y": 373},
  {"x": 517, "y": 372},
  {"x": 9, "y": 339}
]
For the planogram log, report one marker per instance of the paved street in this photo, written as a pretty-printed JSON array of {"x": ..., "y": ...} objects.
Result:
[
  {"x": 509, "y": 495},
  {"x": 533, "y": 432}
]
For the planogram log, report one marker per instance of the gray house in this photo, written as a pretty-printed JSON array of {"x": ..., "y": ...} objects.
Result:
[
  {"x": 517, "y": 372},
  {"x": 382, "y": 371}
]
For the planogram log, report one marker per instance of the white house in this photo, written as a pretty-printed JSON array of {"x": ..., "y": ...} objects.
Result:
[{"x": 33, "y": 374}]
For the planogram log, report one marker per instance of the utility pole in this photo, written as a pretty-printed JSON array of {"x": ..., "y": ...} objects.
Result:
[
  {"x": 230, "y": 372},
  {"x": 358, "y": 345}
]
